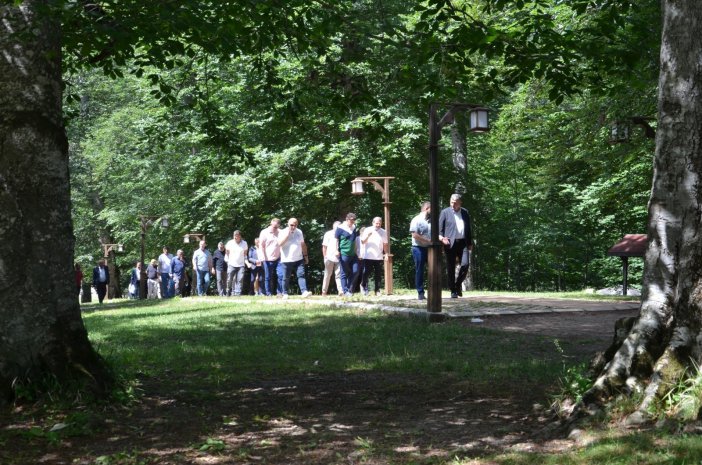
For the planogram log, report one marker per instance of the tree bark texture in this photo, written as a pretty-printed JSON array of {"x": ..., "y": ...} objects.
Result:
[
  {"x": 42, "y": 331},
  {"x": 666, "y": 335}
]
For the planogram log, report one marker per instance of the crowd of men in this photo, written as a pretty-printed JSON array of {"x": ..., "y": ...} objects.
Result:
[{"x": 351, "y": 255}]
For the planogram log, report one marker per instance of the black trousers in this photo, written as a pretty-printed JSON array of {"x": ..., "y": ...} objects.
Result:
[
  {"x": 453, "y": 253},
  {"x": 101, "y": 289}
]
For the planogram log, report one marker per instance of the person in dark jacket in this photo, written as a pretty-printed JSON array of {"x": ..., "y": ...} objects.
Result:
[
  {"x": 219, "y": 262},
  {"x": 101, "y": 278},
  {"x": 455, "y": 234},
  {"x": 178, "y": 271},
  {"x": 134, "y": 281}
]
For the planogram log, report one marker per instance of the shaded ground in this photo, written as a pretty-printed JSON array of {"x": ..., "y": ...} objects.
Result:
[{"x": 351, "y": 418}]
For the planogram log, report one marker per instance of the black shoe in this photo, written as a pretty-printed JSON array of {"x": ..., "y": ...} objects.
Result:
[
  {"x": 454, "y": 295},
  {"x": 420, "y": 297},
  {"x": 460, "y": 293}
]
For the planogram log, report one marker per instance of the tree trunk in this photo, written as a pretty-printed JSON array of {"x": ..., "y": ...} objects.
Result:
[
  {"x": 42, "y": 331},
  {"x": 666, "y": 336},
  {"x": 460, "y": 163}
]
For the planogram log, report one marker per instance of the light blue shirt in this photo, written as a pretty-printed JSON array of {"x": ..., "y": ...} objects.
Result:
[
  {"x": 421, "y": 226},
  {"x": 201, "y": 259}
]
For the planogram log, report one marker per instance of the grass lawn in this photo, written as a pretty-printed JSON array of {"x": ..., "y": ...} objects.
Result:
[{"x": 261, "y": 381}]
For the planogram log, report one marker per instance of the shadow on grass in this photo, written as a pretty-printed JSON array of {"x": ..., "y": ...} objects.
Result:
[
  {"x": 298, "y": 384},
  {"x": 225, "y": 343}
]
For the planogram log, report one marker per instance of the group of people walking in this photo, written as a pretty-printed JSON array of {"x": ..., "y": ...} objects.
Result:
[{"x": 352, "y": 256}]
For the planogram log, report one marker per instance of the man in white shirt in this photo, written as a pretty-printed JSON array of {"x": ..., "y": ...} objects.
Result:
[
  {"x": 293, "y": 257},
  {"x": 235, "y": 255},
  {"x": 164, "y": 268},
  {"x": 375, "y": 242},
  {"x": 331, "y": 261},
  {"x": 270, "y": 253},
  {"x": 420, "y": 228},
  {"x": 455, "y": 234}
]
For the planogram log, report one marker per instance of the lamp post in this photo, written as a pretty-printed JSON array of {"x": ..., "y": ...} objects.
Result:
[
  {"x": 620, "y": 131},
  {"x": 197, "y": 236},
  {"x": 478, "y": 123},
  {"x": 107, "y": 248},
  {"x": 145, "y": 222},
  {"x": 357, "y": 189}
]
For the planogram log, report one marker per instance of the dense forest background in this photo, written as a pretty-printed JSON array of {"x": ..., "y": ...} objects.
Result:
[{"x": 218, "y": 145}]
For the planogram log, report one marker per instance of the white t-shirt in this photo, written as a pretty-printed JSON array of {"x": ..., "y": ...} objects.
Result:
[
  {"x": 164, "y": 263},
  {"x": 236, "y": 253},
  {"x": 291, "y": 251},
  {"x": 374, "y": 244},
  {"x": 329, "y": 241}
]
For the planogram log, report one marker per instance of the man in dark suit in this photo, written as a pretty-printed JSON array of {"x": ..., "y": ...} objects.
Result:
[
  {"x": 455, "y": 234},
  {"x": 101, "y": 278}
]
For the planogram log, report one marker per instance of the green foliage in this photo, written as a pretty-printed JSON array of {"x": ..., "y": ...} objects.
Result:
[{"x": 279, "y": 124}]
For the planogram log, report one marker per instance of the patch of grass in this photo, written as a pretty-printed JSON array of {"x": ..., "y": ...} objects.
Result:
[
  {"x": 613, "y": 449},
  {"x": 214, "y": 343}
]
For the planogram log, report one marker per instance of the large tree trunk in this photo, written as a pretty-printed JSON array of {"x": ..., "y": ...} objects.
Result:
[
  {"x": 666, "y": 336},
  {"x": 42, "y": 330}
]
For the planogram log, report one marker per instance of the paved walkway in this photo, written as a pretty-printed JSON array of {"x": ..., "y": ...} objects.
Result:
[
  {"x": 470, "y": 306},
  {"x": 474, "y": 306}
]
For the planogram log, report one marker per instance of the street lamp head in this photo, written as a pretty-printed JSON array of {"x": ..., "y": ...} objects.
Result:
[
  {"x": 479, "y": 120},
  {"x": 164, "y": 222},
  {"x": 357, "y": 187},
  {"x": 619, "y": 132},
  {"x": 186, "y": 239},
  {"x": 120, "y": 247}
]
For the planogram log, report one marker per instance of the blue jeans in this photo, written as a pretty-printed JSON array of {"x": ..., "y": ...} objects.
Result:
[
  {"x": 269, "y": 268},
  {"x": 420, "y": 256},
  {"x": 167, "y": 286},
  {"x": 203, "y": 282},
  {"x": 349, "y": 273},
  {"x": 298, "y": 268}
]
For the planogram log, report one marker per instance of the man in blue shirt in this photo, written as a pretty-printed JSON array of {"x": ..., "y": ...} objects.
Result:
[
  {"x": 202, "y": 264},
  {"x": 420, "y": 228}
]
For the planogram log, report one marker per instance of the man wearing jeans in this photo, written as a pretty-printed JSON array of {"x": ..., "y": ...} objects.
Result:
[
  {"x": 347, "y": 251},
  {"x": 202, "y": 264},
  {"x": 421, "y": 240},
  {"x": 270, "y": 252},
  {"x": 236, "y": 251},
  {"x": 164, "y": 268},
  {"x": 293, "y": 257}
]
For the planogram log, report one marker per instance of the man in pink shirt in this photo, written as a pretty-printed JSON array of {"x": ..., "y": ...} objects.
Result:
[{"x": 270, "y": 252}]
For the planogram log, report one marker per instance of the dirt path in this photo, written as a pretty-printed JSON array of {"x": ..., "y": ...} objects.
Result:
[{"x": 351, "y": 418}]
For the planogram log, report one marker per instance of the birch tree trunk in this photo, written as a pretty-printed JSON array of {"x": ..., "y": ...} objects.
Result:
[
  {"x": 42, "y": 331},
  {"x": 666, "y": 336}
]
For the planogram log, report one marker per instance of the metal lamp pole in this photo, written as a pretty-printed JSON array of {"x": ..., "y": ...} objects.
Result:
[
  {"x": 478, "y": 123},
  {"x": 357, "y": 189}
]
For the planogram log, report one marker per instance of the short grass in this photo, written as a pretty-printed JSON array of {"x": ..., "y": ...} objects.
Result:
[
  {"x": 613, "y": 448},
  {"x": 230, "y": 342},
  {"x": 208, "y": 342}
]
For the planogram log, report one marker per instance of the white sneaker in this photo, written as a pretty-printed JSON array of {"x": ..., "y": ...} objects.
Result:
[
  {"x": 306, "y": 294},
  {"x": 285, "y": 297}
]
